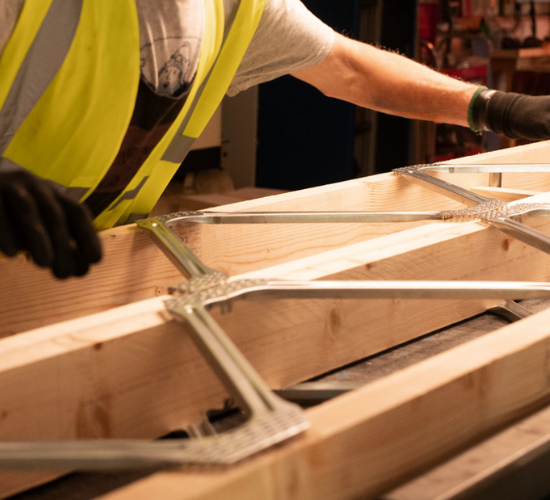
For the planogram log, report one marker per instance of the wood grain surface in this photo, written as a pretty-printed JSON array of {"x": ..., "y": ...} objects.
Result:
[
  {"x": 133, "y": 372},
  {"x": 134, "y": 269},
  {"x": 130, "y": 371},
  {"x": 367, "y": 441}
]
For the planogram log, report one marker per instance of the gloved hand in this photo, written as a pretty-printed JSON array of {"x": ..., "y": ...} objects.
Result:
[
  {"x": 37, "y": 217},
  {"x": 517, "y": 116}
]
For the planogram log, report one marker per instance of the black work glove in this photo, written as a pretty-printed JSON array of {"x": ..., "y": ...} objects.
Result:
[
  {"x": 37, "y": 217},
  {"x": 517, "y": 116}
]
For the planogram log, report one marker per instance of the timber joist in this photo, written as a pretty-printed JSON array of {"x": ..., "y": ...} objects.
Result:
[{"x": 100, "y": 357}]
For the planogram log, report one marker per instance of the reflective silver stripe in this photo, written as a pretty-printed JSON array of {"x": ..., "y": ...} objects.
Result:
[
  {"x": 130, "y": 195},
  {"x": 41, "y": 64},
  {"x": 76, "y": 193},
  {"x": 179, "y": 147},
  {"x": 181, "y": 144},
  {"x": 134, "y": 217}
]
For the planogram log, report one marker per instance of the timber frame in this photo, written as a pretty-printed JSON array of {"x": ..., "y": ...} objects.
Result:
[{"x": 99, "y": 357}]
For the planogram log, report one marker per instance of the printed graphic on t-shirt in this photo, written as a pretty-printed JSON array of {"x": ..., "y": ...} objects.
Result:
[{"x": 171, "y": 77}]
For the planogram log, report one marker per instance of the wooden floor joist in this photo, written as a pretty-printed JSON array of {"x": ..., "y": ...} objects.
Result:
[
  {"x": 505, "y": 194},
  {"x": 134, "y": 269},
  {"x": 365, "y": 442},
  {"x": 131, "y": 371}
]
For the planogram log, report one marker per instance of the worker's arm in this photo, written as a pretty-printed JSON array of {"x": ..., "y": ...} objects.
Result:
[{"x": 387, "y": 82}]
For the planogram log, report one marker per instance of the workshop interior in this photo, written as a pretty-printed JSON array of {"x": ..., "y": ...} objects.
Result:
[{"x": 326, "y": 302}]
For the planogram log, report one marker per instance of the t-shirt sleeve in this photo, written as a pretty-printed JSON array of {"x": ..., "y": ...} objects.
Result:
[{"x": 289, "y": 38}]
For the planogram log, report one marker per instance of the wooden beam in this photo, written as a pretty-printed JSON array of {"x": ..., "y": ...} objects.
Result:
[
  {"x": 368, "y": 441},
  {"x": 173, "y": 199},
  {"x": 134, "y": 269},
  {"x": 505, "y": 194},
  {"x": 132, "y": 372},
  {"x": 95, "y": 377},
  {"x": 485, "y": 461}
]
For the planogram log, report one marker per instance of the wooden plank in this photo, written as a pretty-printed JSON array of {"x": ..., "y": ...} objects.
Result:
[
  {"x": 253, "y": 193},
  {"x": 363, "y": 443},
  {"x": 480, "y": 462},
  {"x": 532, "y": 153},
  {"x": 133, "y": 269},
  {"x": 204, "y": 201},
  {"x": 505, "y": 194},
  {"x": 131, "y": 372},
  {"x": 30, "y": 297}
]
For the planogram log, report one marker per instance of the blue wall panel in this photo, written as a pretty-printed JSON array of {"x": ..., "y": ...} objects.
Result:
[{"x": 304, "y": 138}]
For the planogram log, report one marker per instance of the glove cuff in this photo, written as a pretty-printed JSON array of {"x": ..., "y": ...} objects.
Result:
[{"x": 477, "y": 110}]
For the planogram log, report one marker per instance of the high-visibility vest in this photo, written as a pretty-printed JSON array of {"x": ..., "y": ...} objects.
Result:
[{"x": 69, "y": 77}]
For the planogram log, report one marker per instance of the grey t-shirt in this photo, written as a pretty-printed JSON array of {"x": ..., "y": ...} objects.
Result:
[{"x": 289, "y": 38}]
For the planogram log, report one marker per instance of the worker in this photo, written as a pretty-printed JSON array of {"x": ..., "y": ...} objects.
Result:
[{"x": 100, "y": 102}]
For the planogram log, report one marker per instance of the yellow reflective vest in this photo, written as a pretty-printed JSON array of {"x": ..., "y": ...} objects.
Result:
[{"x": 69, "y": 77}]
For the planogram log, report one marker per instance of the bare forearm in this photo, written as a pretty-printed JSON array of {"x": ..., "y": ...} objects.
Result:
[{"x": 387, "y": 82}]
